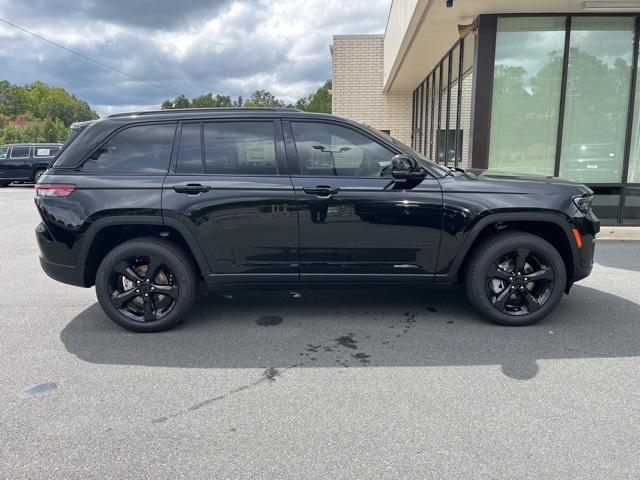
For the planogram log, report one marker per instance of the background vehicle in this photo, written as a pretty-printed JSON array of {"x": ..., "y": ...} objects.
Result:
[
  {"x": 25, "y": 162},
  {"x": 145, "y": 206}
]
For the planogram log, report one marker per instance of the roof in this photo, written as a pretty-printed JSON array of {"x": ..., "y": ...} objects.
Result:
[
  {"x": 32, "y": 144},
  {"x": 209, "y": 113},
  {"x": 196, "y": 111}
]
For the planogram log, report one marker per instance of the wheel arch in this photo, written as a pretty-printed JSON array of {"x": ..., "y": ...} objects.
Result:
[
  {"x": 555, "y": 228},
  {"x": 106, "y": 233}
]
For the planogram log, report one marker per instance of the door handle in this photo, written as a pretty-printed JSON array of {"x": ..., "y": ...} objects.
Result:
[
  {"x": 321, "y": 190},
  {"x": 191, "y": 188}
]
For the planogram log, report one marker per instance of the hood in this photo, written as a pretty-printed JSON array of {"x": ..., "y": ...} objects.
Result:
[{"x": 522, "y": 181}]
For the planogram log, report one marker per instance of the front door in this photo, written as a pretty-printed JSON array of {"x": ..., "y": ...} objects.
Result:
[
  {"x": 356, "y": 223},
  {"x": 225, "y": 187}
]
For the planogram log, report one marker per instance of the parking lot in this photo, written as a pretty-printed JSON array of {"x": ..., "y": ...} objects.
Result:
[{"x": 316, "y": 384}]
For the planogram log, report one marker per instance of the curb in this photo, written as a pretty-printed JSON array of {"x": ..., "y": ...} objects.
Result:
[{"x": 618, "y": 233}]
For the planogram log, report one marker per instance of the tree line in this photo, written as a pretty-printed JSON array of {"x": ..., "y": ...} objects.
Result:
[
  {"x": 38, "y": 112},
  {"x": 318, "y": 101}
]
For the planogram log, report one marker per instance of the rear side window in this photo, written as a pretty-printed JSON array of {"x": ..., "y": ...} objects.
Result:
[
  {"x": 20, "y": 152},
  {"x": 140, "y": 149},
  {"x": 190, "y": 151},
  {"x": 45, "y": 151},
  {"x": 240, "y": 148},
  {"x": 3, "y": 152}
]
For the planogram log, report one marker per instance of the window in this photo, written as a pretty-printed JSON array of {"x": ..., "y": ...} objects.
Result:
[
  {"x": 45, "y": 151},
  {"x": 240, "y": 148},
  {"x": 526, "y": 94},
  {"x": 3, "y": 152},
  {"x": 597, "y": 100},
  {"x": 20, "y": 152},
  {"x": 139, "y": 149},
  {"x": 190, "y": 151},
  {"x": 332, "y": 150}
]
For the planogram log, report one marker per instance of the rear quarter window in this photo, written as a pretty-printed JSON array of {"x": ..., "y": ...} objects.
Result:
[{"x": 141, "y": 149}]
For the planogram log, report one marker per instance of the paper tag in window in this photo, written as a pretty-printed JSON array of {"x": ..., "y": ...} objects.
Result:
[{"x": 43, "y": 152}]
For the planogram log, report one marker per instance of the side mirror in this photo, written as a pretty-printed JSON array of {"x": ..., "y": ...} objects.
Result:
[{"x": 404, "y": 167}]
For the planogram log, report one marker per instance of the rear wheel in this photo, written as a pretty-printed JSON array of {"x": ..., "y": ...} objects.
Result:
[
  {"x": 515, "y": 278},
  {"x": 146, "y": 284},
  {"x": 4, "y": 184},
  {"x": 37, "y": 174}
]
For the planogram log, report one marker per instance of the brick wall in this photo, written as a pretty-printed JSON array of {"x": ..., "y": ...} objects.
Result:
[{"x": 358, "y": 65}]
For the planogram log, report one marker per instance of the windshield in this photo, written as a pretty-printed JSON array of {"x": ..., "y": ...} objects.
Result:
[
  {"x": 410, "y": 151},
  {"x": 3, "y": 152}
]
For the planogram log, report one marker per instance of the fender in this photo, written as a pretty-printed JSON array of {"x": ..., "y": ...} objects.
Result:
[
  {"x": 558, "y": 218},
  {"x": 132, "y": 220}
]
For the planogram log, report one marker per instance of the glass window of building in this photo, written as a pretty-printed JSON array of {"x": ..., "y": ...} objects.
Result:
[
  {"x": 526, "y": 94},
  {"x": 597, "y": 99}
]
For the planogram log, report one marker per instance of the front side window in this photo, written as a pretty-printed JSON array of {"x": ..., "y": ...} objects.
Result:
[
  {"x": 20, "y": 152},
  {"x": 3, "y": 152},
  {"x": 140, "y": 149},
  {"x": 240, "y": 148},
  {"x": 332, "y": 150}
]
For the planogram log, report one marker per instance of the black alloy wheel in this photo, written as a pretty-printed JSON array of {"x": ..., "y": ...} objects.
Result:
[
  {"x": 515, "y": 278},
  {"x": 520, "y": 282},
  {"x": 146, "y": 284},
  {"x": 143, "y": 288}
]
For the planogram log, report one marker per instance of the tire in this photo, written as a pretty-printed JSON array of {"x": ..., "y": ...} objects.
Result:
[
  {"x": 124, "y": 271},
  {"x": 506, "y": 294},
  {"x": 37, "y": 174},
  {"x": 4, "y": 184}
]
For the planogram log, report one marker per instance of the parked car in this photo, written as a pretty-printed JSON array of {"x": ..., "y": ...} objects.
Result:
[
  {"x": 25, "y": 162},
  {"x": 145, "y": 206}
]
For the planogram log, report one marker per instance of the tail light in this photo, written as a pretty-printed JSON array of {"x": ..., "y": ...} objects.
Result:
[{"x": 54, "y": 190}]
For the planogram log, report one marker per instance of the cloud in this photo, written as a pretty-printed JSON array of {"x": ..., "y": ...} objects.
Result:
[{"x": 228, "y": 47}]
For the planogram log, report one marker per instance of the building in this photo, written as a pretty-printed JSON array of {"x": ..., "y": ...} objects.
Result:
[{"x": 533, "y": 86}]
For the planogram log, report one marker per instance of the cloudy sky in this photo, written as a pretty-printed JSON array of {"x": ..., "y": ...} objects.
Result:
[{"x": 187, "y": 46}]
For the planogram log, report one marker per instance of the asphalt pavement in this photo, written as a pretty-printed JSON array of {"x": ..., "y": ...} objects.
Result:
[{"x": 353, "y": 384}]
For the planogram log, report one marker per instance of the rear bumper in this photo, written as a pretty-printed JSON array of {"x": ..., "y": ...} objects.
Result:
[
  {"x": 69, "y": 274},
  {"x": 56, "y": 261}
]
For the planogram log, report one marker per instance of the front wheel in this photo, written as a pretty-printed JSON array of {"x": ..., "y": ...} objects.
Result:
[
  {"x": 146, "y": 284},
  {"x": 515, "y": 278}
]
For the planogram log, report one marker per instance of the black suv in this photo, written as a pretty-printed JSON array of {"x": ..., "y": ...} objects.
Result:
[
  {"x": 25, "y": 162},
  {"x": 145, "y": 206}
]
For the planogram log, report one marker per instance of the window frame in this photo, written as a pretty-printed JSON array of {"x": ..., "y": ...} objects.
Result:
[
  {"x": 292, "y": 148},
  {"x": 115, "y": 132},
  {"x": 278, "y": 140},
  {"x": 11, "y": 157}
]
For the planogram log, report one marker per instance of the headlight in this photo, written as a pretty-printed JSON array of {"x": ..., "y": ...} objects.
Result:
[{"x": 583, "y": 203}]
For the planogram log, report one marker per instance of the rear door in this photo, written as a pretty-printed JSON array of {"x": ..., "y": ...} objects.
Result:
[
  {"x": 356, "y": 223},
  {"x": 229, "y": 187}
]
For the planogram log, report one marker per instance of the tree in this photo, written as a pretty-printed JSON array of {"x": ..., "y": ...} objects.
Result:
[
  {"x": 38, "y": 112},
  {"x": 263, "y": 98},
  {"x": 319, "y": 101}
]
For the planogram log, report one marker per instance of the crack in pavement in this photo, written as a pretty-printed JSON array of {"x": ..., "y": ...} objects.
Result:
[{"x": 269, "y": 375}]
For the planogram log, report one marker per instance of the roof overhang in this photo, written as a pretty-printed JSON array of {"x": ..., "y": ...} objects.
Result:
[{"x": 420, "y": 32}]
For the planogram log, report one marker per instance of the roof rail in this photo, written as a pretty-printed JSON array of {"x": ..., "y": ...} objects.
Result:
[{"x": 205, "y": 110}]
